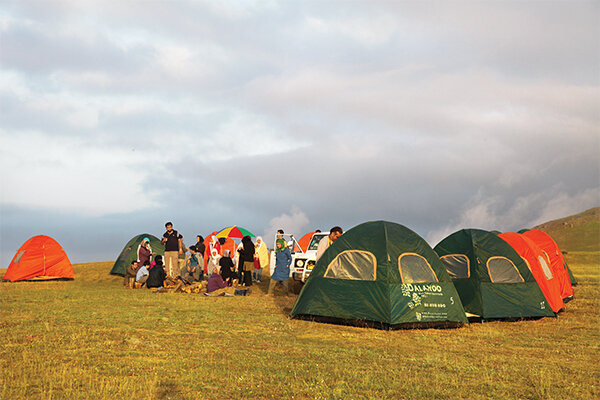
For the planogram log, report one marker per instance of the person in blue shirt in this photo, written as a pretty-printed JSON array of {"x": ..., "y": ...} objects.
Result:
[
  {"x": 281, "y": 274},
  {"x": 142, "y": 275}
]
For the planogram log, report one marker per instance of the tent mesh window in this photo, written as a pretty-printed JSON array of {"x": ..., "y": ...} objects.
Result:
[
  {"x": 414, "y": 268},
  {"x": 502, "y": 270},
  {"x": 19, "y": 255},
  {"x": 457, "y": 265},
  {"x": 353, "y": 265},
  {"x": 545, "y": 268}
]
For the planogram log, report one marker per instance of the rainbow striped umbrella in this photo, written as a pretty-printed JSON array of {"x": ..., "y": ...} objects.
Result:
[{"x": 234, "y": 232}]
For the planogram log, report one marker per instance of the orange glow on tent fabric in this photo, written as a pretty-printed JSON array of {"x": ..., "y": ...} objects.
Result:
[
  {"x": 41, "y": 257},
  {"x": 557, "y": 262},
  {"x": 531, "y": 253},
  {"x": 304, "y": 242}
]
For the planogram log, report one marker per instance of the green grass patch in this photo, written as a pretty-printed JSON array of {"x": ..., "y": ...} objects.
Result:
[{"x": 92, "y": 339}]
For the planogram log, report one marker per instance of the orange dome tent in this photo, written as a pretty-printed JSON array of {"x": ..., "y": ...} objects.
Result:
[
  {"x": 304, "y": 242},
  {"x": 539, "y": 265},
  {"x": 557, "y": 262},
  {"x": 41, "y": 257},
  {"x": 228, "y": 245}
]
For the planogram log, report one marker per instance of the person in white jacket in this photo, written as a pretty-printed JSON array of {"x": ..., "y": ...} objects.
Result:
[{"x": 334, "y": 234}]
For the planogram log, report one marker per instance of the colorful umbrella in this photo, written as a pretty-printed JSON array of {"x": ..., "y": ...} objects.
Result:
[{"x": 234, "y": 232}]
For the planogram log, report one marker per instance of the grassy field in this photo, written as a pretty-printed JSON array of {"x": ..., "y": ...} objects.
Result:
[
  {"x": 579, "y": 232},
  {"x": 92, "y": 339}
]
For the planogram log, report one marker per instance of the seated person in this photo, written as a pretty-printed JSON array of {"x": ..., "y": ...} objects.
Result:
[
  {"x": 130, "y": 274},
  {"x": 142, "y": 274},
  {"x": 157, "y": 275},
  {"x": 227, "y": 268},
  {"x": 217, "y": 287},
  {"x": 213, "y": 262},
  {"x": 193, "y": 264}
]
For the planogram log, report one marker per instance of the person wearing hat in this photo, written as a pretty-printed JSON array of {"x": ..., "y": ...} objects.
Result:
[{"x": 144, "y": 252}]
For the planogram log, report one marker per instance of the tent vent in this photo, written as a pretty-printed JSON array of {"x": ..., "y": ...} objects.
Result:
[
  {"x": 545, "y": 267},
  {"x": 19, "y": 255}
]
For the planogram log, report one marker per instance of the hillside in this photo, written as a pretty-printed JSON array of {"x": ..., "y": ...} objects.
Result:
[{"x": 579, "y": 232}]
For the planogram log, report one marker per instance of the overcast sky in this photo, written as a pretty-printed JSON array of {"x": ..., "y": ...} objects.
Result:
[{"x": 119, "y": 116}]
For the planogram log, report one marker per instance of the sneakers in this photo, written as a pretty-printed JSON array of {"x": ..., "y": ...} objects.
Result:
[{"x": 229, "y": 294}]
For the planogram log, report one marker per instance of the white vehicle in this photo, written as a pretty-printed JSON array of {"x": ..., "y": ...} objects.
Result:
[{"x": 303, "y": 263}]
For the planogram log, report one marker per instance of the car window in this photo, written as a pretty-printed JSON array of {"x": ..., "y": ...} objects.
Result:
[{"x": 314, "y": 242}]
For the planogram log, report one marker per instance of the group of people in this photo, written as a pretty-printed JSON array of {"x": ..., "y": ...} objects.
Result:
[{"x": 213, "y": 266}]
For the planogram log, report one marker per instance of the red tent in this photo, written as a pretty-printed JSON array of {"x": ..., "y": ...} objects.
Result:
[
  {"x": 41, "y": 257},
  {"x": 539, "y": 265},
  {"x": 557, "y": 262}
]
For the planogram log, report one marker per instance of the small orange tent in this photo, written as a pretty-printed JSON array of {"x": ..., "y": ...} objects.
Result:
[
  {"x": 557, "y": 262},
  {"x": 539, "y": 265},
  {"x": 304, "y": 242},
  {"x": 41, "y": 257}
]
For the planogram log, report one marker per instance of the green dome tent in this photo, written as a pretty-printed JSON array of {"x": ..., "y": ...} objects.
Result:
[
  {"x": 129, "y": 252},
  {"x": 383, "y": 273},
  {"x": 491, "y": 278}
]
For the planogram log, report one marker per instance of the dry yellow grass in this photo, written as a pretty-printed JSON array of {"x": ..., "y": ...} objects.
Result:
[{"x": 92, "y": 339}]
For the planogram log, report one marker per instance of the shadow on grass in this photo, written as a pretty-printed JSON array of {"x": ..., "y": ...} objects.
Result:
[{"x": 168, "y": 390}]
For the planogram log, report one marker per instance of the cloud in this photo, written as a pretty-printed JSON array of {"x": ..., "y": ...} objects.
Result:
[
  {"x": 294, "y": 222},
  {"x": 435, "y": 116}
]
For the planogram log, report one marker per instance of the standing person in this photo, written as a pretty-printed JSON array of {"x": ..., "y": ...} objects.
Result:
[
  {"x": 246, "y": 263},
  {"x": 261, "y": 259},
  {"x": 173, "y": 242},
  {"x": 334, "y": 234},
  {"x": 283, "y": 259},
  {"x": 144, "y": 252},
  {"x": 214, "y": 244},
  {"x": 200, "y": 249}
]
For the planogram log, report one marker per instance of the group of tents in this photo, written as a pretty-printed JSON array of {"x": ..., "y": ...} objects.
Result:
[{"x": 384, "y": 274}]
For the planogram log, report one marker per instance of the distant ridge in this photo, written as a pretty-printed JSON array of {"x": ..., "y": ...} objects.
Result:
[{"x": 579, "y": 232}]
